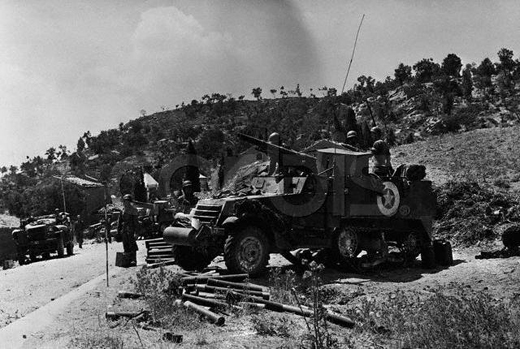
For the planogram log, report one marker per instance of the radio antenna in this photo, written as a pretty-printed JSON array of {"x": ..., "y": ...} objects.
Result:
[{"x": 352, "y": 57}]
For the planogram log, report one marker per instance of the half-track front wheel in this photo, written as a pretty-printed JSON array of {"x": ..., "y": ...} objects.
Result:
[
  {"x": 189, "y": 258},
  {"x": 346, "y": 245},
  {"x": 247, "y": 251}
]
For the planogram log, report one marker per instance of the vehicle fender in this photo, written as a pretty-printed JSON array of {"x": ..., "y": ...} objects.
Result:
[
  {"x": 230, "y": 222},
  {"x": 235, "y": 224}
]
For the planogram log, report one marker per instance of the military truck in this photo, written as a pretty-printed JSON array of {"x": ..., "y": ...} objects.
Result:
[
  {"x": 328, "y": 203},
  {"x": 42, "y": 236}
]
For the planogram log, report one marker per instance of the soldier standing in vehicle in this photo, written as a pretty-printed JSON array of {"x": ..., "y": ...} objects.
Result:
[
  {"x": 352, "y": 140},
  {"x": 381, "y": 154},
  {"x": 128, "y": 224}
]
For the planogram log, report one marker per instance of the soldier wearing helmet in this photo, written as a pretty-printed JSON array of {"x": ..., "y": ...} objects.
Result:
[
  {"x": 127, "y": 227},
  {"x": 187, "y": 200},
  {"x": 274, "y": 154},
  {"x": 381, "y": 154},
  {"x": 352, "y": 140}
]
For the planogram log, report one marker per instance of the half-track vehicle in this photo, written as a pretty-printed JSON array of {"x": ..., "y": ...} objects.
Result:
[
  {"x": 328, "y": 203},
  {"x": 42, "y": 236}
]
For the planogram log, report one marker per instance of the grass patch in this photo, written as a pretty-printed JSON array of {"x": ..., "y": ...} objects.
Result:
[
  {"x": 463, "y": 319},
  {"x": 160, "y": 288}
]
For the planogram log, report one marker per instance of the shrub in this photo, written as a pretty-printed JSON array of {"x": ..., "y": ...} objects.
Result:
[{"x": 161, "y": 288}]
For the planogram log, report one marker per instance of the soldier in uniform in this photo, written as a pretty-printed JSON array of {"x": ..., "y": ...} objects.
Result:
[
  {"x": 352, "y": 140},
  {"x": 58, "y": 216},
  {"x": 78, "y": 231},
  {"x": 187, "y": 200},
  {"x": 128, "y": 225},
  {"x": 274, "y": 154},
  {"x": 381, "y": 154}
]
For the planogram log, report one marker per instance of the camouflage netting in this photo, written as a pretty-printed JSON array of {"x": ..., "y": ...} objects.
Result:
[
  {"x": 468, "y": 213},
  {"x": 241, "y": 181}
]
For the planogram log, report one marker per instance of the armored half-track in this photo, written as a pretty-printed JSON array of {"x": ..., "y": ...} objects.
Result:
[
  {"x": 41, "y": 237},
  {"x": 328, "y": 203}
]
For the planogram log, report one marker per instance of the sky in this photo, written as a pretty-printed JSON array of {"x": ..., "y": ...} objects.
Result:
[{"x": 67, "y": 67}]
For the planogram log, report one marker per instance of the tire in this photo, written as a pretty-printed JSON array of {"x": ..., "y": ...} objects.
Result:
[
  {"x": 346, "y": 245},
  {"x": 443, "y": 252},
  {"x": 61, "y": 247},
  {"x": 189, "y": 258},
  {"x": 428, "y": 258},
  {"x": 33, "y": 257},
  {"x": 70, "y": 249},
  {"x": 247, "y": 251}
]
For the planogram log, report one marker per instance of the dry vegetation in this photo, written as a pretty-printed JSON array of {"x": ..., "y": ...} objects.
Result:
[{"x": 397, "y": 319}]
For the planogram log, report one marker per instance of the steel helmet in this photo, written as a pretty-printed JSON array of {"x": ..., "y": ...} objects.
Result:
[
  {"x": 274, "y": 138},
  {"x": 128, "y": 197},
  {"x": 375, "y": 129},
  {"x": 186, "y": 184},
  {"x": 351, "y": 134}
]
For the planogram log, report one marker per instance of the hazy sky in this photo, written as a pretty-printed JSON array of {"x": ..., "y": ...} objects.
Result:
[{"x": 71, "y": 66}]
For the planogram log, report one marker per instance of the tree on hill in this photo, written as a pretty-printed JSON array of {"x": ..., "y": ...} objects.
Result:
[
  {"x": 451, "y": 65},
  {"x": 51, "y": 154},
  {"x": 257, "y": 93},
  {"x": 483, "y": 73},
  {"x": 80, "y": 146},
  {"x": 211, "y": 143},
  {"x": 507, "y": 64},
  {"x": 403, "y": 73},
  {"x": 425, "y": 70}
]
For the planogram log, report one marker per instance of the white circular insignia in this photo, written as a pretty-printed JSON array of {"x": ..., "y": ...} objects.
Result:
[{"x": 388, "y": 202}]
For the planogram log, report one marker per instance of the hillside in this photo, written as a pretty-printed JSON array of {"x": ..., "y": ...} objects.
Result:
[{"x": 438, "y": 101}]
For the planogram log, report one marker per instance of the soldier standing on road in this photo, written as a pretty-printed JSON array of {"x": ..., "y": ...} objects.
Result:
[
  {"x": 128, "y": 225},
  {"x": 78, "y": 231},
  {"x": 381, "y": 154}
]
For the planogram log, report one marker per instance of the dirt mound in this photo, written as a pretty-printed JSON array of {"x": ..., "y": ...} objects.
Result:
[{"x": 468, "y": 212}]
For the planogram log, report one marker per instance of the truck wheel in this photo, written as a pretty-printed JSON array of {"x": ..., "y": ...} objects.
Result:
[
  {"x": 189, "y": 258},
  {"x": 32, "y": 257},
  {"x": 70, "y": 249},
  {"x": 346, "y": 244},
  {"x": 61, "y": 247},
  {"x": 247, "y": 251}
]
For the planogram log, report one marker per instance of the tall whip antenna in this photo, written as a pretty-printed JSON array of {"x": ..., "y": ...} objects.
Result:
[{"x": 353, "y": 51}]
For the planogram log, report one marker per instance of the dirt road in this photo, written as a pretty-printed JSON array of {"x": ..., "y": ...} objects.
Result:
[
  {"x": 29, "y": 287},
  {"x": 80, "y": 282}
]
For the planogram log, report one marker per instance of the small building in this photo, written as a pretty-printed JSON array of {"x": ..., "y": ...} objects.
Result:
[{"x": 95, "y": 196}]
